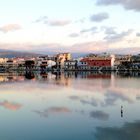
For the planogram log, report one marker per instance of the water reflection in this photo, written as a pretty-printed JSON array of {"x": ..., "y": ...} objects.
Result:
[
  {"x": 100, "y": 115},
  {"x": 29, "y": 75},
  {"x": 53, "y": 111},
  {"x": 67, "y": 75},
  {"x": 128, "y": 131},
  {"x": 10, "y": 105},
  {"x": 71, "y": 105}
]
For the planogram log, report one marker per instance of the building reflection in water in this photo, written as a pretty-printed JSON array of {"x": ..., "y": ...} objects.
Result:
[
  {"x": 29, "y": 75},
  {"x": 44, "y": 75},
  {"x": 65, "y": 78}
]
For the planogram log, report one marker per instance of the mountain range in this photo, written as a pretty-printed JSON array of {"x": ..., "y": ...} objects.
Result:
[{"x": 10, "y": 54}]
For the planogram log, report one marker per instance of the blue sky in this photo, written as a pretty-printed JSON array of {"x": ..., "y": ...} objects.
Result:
[{"x": 72, "y": 25}]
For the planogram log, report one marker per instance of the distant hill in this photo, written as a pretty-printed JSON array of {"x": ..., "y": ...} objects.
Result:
[{"x": 11, "y": 54}]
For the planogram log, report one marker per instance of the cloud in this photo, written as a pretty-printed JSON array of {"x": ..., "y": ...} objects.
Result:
[
  {"x": 100, "y": 115},
  {"x": 38, "y": 48},
  {"x": 95, "y": 46},
  {"x": 10, "y": 28},
  {"x": 108, "y": 2},
  {"x": 128, "y": 131},
  {"x": 56, "y": 47},
  {"x": 127, "y": 4},
  {"x": 113, "y": 36},
  {"x": 59, "y": 22},
  {"x": 53, "y": 110},
  {"x": 99, "y": 17},
  {"x": 46, "y": 20},
  {"x": 83, "y": 47},
  {"x": 74, "y": 35},
  {"x": 43, "y": 19},
  {"x": 138, "y": 34},
  {"x": 109, "y": 30},
  {"x": 92, "y": 29},
  {"x": 128, "y": 50},
  {"x": 10, "y": 106},
  {"x": 82, "y": 20}
]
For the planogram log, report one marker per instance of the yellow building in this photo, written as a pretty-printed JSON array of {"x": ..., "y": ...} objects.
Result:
[{"x": 61, "y": 58}]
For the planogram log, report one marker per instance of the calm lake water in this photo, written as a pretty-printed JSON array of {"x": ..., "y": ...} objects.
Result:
[{"x": 70, "y": 106}]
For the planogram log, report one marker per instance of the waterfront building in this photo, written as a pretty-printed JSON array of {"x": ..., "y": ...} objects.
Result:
[
  {"x": 96, "y": 63},
  {"x": 21, "y": 62},
  {"x": 51, "y": 63},
  {"x": 45, "y": 62},
  {"x": 82, "y": 65},
  {"x": 11, "y": 64},
  {"x": 119, "y": 59},
  {"x": 70, "y": 65},
  {"x": 61, "y": 58},
  {"x": 123, "y": 62},
  {"x": 3, "y": 62}
]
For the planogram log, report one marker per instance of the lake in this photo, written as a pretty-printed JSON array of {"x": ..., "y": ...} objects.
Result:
[{"x": 69, "y": 106}]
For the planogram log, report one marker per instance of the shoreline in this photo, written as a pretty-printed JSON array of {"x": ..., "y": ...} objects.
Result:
[{"x": 74, "y": 70}]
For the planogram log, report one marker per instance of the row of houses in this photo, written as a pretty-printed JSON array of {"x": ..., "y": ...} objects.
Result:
[
  {"x": 64, "y": 61},
  {"x": 36, "y": 63}
]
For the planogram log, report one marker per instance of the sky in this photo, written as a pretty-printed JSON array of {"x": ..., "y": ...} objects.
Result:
[{"x": 76, "y": 26}]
